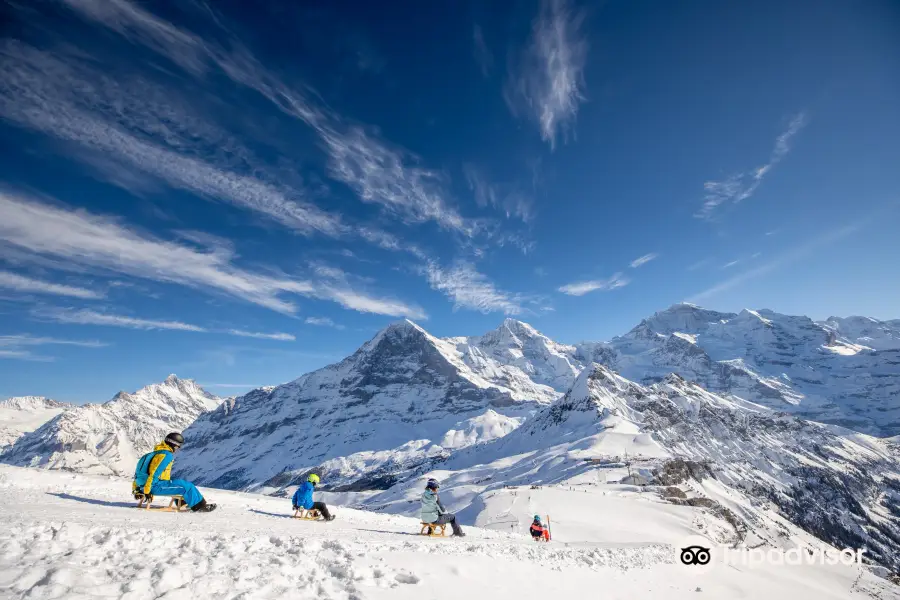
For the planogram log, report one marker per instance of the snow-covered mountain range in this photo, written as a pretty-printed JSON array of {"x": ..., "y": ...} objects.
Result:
[
  {"x": 22, "y": 414},
  {"x": 109, "y": 437},
  {"x": 407, "y": 398},
  {"x": 777, "y": 416},
  {"x": 842, "y": 371}
]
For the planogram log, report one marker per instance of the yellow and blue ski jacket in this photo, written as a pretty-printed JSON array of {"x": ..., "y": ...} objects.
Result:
[{"x": 154, "y": 466}]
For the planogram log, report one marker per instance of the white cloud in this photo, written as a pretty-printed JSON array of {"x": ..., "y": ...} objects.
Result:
[
  {"x": 81, "y": 239},
  {"x": 584, "y": 287},
  {"x": 549, "y": 84},
  {"x": 353, "y": 300},
  {"x": 643, "y": 260},
  {"x": 700, "y": 264},
  {"x": 7, "y": 341},
  {"x": 90, "y": 317},
  {"x": 730, "y": 264},
  {"x": 283, "y": 337},
  {"x": 41, "y": 92},
  {"x": 323, "y": 322},
  {"x": 379, "y": 175},
  {"x": 505, "y": 197},
  {"x": 798, "y": 253},
  {"x": 472, "y": 290},
  {"x": 19, "y": 346},
  {"x": 740, "y": 186},
  {"x": 20, "y": 283},
  {"x": 483, "y": 55},
  {"x": 376, "y": 173}
]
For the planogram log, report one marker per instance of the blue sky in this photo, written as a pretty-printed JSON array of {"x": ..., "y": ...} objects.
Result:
[{"x": 240, "y": 196}]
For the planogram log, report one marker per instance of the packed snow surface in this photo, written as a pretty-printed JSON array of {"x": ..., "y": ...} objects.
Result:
[{"x": 79, "y": 536}]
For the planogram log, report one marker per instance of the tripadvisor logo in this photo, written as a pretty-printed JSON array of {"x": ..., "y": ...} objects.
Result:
[
  {"x": 699, "y": 555},
  {"x": 694, "y": 555}
]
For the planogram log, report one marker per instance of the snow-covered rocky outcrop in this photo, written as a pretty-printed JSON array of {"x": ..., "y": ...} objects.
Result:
[
  {"x": 22, "y": 414},
  {"x": 109, "y": 437}
]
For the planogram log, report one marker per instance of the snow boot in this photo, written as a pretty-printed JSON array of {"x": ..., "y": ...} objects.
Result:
[
  {"x": 330, "y": 518},
  {"x": 460, "y": 534},
  {"x": 203, "y": 506}
]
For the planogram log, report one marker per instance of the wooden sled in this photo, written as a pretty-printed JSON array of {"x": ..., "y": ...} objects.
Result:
[
  {"x": 176, "y": 504},
  {"x": 307, "y": 515},
  {"x": 432, "y": 530}
]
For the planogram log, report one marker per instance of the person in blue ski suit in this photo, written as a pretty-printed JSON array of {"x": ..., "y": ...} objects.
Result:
[
  {"x": 433, "y": 511},
  {"x": 303, "y": 498},
  {"x": 153, "y": 476}
]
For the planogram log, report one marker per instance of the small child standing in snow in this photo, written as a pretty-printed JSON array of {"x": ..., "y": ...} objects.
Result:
[{"x": 538, "y": 531}]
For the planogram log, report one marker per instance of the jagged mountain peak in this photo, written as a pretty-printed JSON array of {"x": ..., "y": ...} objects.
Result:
[
  {"x": 108, "y": 437},
  {"x": 683, "y": 317},
  {"x": 31, "y": 403}
]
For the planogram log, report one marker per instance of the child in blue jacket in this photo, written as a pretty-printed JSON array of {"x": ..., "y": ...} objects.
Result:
[{"x": 303, "y": 498}]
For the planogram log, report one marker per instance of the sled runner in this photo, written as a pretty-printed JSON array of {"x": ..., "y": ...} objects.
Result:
[
  {"x": 432, "y": 530},
  {"x": 176, "y": 504},
  {"x": 307, "y": 515}
]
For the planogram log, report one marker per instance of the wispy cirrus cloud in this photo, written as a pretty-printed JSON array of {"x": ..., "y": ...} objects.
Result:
[
  {"x": 376, "y": 172},
  {"x": 730, "y": 264},
  {"x": 506, "y": 197},
  {"x": 20, "y": 346},
  {"x": 643, "y": 260},
  {"x": 84, "y": 240},
  {"x": 581, "y": 288},
  {"x": 482, "y": 53},
  {"x": 20, "y": 283},
  {"x": 91, "y": 317},
  {"x": 380, "y": 175},
  {"x": 469, "y": 289},
  {"x": 796, "y": 254},
  {"x": 281, "y": 337},
  {"x": 323, "y": 322},
  {"x": 548, "y": 84},
  {"x": 740, "y": 186},
  {"x": 76, "y": 103}
]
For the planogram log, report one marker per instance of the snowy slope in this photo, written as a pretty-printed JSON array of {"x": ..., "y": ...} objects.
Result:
[
  {"x": 23, "y": 414},
  {"x": 770, "y": 470},
  {"x": 109, "y": 437},
  {"x": 402, "y": 401},
  {"x": 784, "y": 362},
  {"x": 78, "y": 536}
]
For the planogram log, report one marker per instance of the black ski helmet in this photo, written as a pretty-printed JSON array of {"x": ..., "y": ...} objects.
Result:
[
  {"x": 432, "y": 484},
  {"x": 175, "y": 439}
]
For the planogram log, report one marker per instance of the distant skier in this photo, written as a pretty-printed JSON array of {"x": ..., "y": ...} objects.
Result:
[
  {"x": 434, "y": 513},
  {"x": 303, "y": 498},
  {"x": 153, "y": 476},
  {"x": 538, "y": 531}
]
